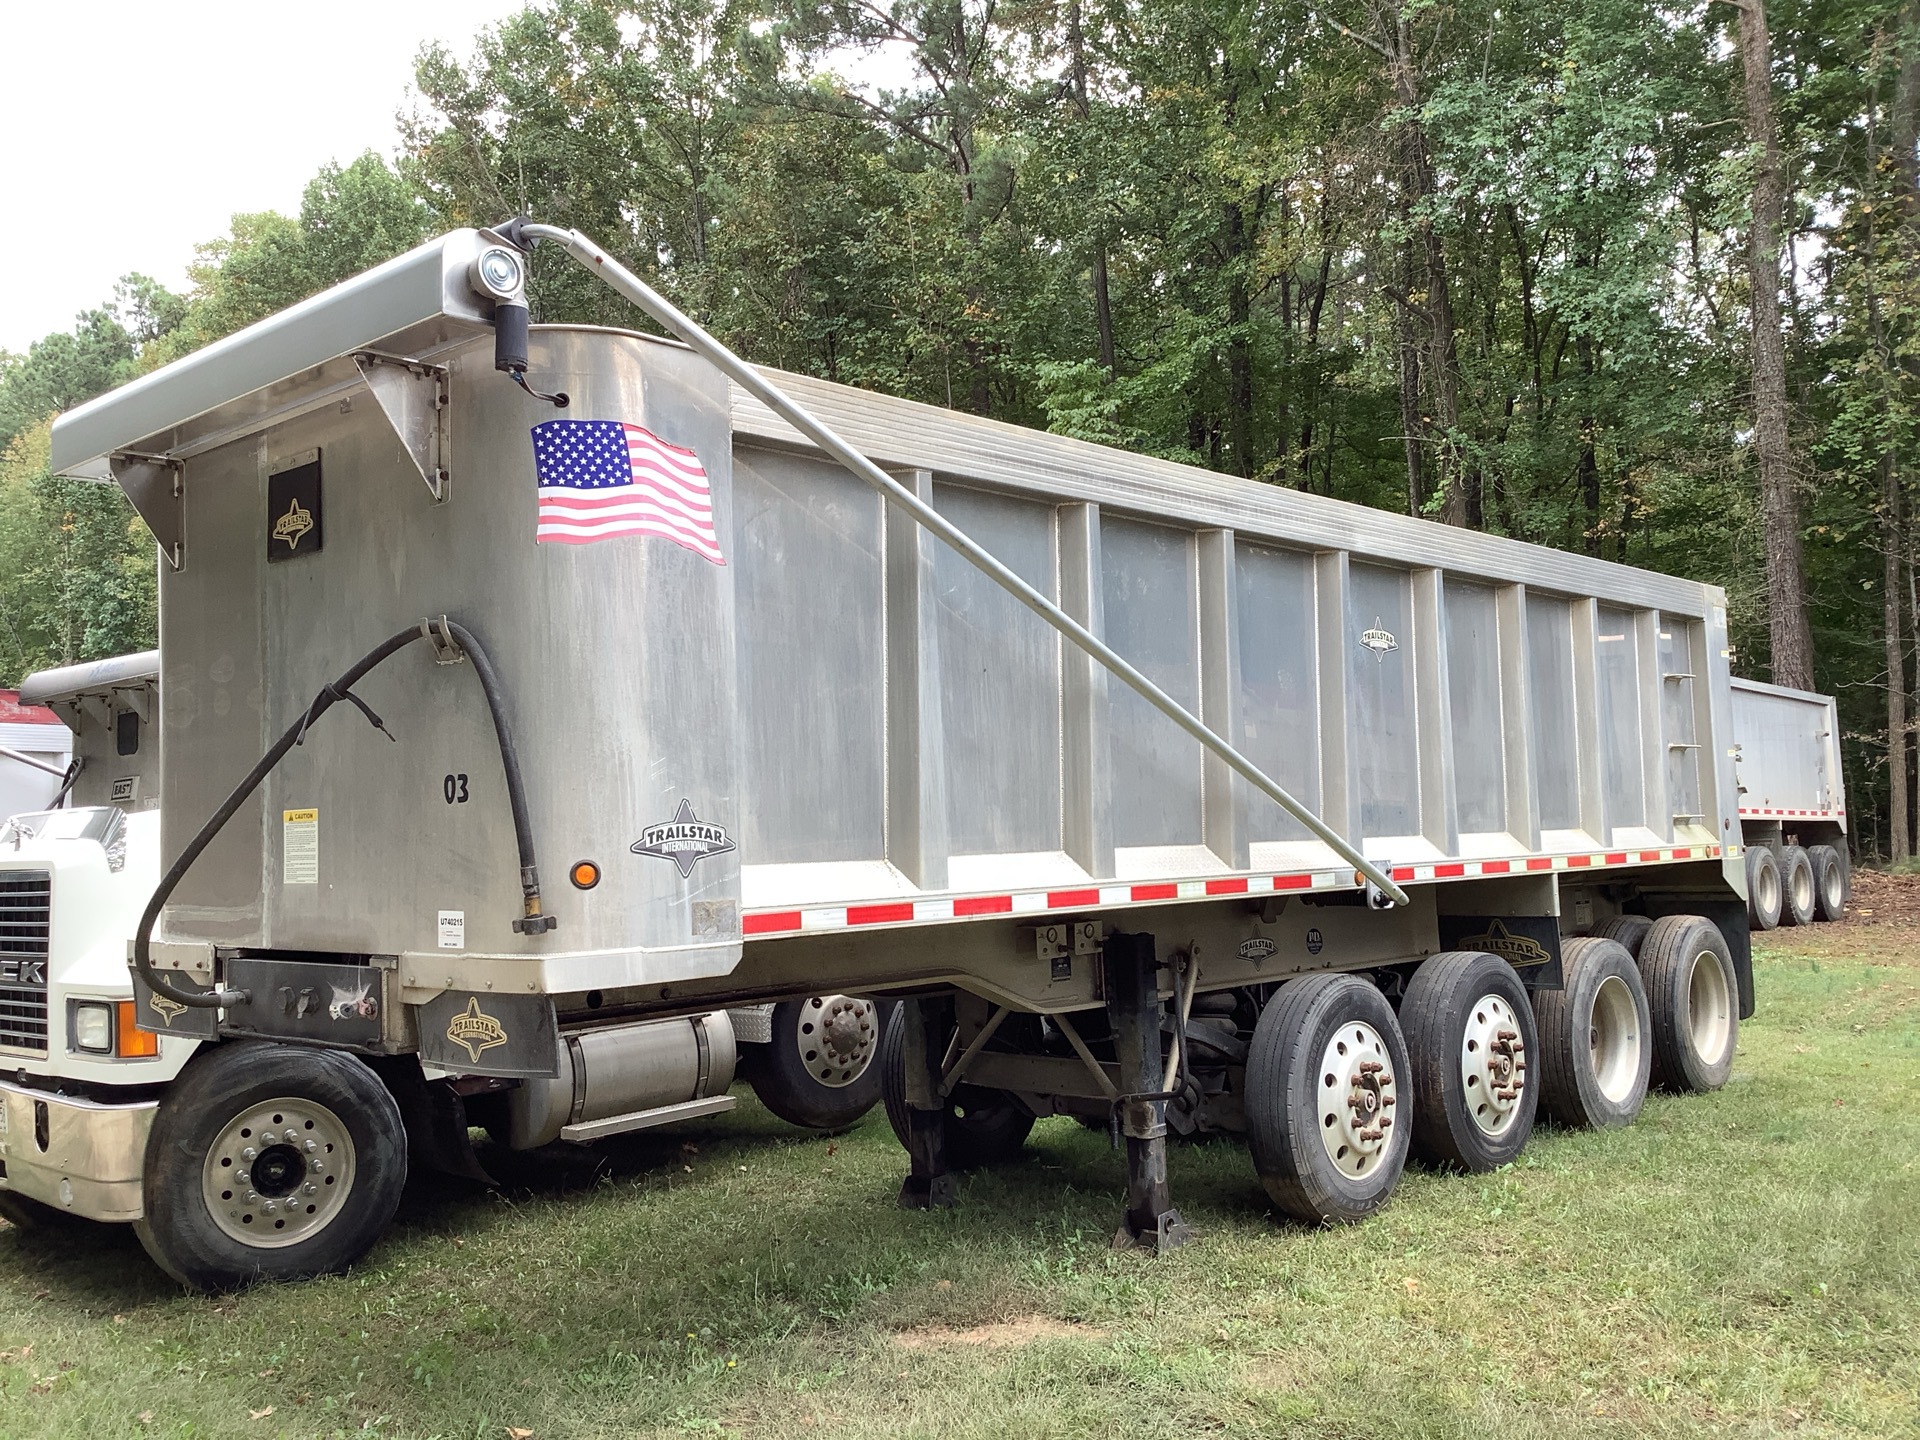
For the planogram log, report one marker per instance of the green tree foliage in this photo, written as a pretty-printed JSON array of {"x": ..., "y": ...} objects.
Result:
[{"x": 1480, "y": 259}]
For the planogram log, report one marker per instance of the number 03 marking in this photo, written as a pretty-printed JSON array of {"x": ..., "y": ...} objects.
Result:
[{"x": 454, "y": 787}]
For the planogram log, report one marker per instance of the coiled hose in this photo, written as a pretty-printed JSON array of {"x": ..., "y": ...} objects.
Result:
[{"x": 531, "y": 921}]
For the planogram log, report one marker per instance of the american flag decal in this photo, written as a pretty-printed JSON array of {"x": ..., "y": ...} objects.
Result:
[{"x": 602, "y": 478}]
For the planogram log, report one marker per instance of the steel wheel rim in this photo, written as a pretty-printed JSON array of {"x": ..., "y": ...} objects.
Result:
[
  {"x": 1709, "y": 1008},
  {"x": 1613, "y": 1039},
  {"x": 1493, "y": 1065},
  {"x": 1769, "y": 888},
  {"x": 1802, "y": 883},
  {"x": 1357, "y": 1095},
  {"x": 278, "y": 1173},
  {"x": 837, "y": 1037},
  {"x": 1834, "y": 887}
]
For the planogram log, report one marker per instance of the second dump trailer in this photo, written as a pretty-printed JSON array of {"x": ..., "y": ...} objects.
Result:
[
  {"x": 1165, "y": 799},
  {"x": 1793, "y": 804}
]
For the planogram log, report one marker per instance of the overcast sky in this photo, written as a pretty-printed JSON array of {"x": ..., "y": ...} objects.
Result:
[{"x": 137, "y": 129}]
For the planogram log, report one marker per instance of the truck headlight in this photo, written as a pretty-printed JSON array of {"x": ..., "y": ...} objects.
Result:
[{"x": 93, "y": 1028}]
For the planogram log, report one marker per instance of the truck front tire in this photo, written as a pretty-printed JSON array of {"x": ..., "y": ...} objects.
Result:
[{"x": 270, "y": 1162}]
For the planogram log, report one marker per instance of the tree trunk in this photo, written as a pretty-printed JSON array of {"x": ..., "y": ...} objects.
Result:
[
  {"x": 1410, "y": 422},
  {"x": 1899, "y": 835},
  {"x": 1239, "y": 343},
  {"x": 1792, "y": 640}
]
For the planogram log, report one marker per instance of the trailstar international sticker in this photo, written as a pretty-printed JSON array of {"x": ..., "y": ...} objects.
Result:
[{"x": 686, "y": 840}]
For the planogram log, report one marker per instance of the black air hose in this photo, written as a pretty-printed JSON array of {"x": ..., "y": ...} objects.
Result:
[{"x": 532, "y": 922}]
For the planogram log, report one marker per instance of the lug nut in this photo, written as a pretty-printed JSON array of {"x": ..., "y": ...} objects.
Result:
[
  {"x": 249, "y": 1153},
  {"x": 292, "y": 1134},
  {"x": 312, "y": 1145}
]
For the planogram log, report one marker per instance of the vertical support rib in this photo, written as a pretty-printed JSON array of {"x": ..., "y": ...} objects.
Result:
[
  {"x": 1338, "y": 806},
  {"x": 1653, "y": 723},
  {"x": 1223, "y": 800},
  {"x": 1516, "y": 716},
  {"x": 1433, "y": 714},
  {"x": 916, "y": 781},
  {"x": 1086, "y": 808},
  {"x": 1594, "y": 818},
  {"x": 1133, "y": 1005}
]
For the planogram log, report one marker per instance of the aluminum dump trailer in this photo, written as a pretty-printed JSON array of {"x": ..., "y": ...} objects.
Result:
[
  {"x": 1793, "y": 804},
  {"x": 1165, "y": 799}
]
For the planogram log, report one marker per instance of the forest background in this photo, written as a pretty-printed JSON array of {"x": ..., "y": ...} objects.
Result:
[{"x": 1633, "y": 279}]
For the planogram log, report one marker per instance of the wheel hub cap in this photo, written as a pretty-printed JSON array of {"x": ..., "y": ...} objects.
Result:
[
  {"x": 1358, "y": 1092},
  {"x": 278, "y": 1173},
  {"x": 837, "y": 1036},
  {"x": 1493, "y": 1064}
]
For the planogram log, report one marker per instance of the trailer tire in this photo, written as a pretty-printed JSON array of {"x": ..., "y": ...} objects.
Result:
[
  {"x": 1596, "y": 1047},
  {"x": 1471, "y": 1037},
  {"x": 222, "y": 1107},
  {"x": 1693, "y": 1002},
  {"x": 1832, "y": 883},
  {"x": 984, "y": 1127},
  {"x": 1763, "y": 888},
  {"x": 1311, "y": 1156},
  {"x": 1627, "y": 931},
  {"x": 1797, "y": 890},
  {"x": 820, "y": 1071}
]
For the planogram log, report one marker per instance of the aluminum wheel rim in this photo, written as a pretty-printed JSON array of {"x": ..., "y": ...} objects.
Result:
[
  {"x": 1613, "y": 1039},
  {"x": 1493, "y": 1065},
  {"x": 278, "y": 1173},
  {"x": 1802, "y": 883},
  {"x": 1834, "y": 887},
  {"x": 837, "y": 1036},
  {"x": 1709, "y": 1008},
  {"x": 1358, "y": 1091},
  {"x": 1769, "y": 889}
]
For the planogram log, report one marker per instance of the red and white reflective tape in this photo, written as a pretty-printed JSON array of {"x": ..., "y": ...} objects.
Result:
[
  {"x": 807, "y": 919},
  {"x": 1797, "y": 814}
]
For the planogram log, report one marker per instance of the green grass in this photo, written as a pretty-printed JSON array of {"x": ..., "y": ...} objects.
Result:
[{"x": 1745, "y": 1263}]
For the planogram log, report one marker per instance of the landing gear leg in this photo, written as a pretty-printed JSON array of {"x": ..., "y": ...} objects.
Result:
[
  {"x": 926, "y": 1026},
  {"x": 1133, "y": 1005}
]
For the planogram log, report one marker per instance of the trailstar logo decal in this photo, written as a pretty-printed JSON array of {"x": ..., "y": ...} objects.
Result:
[
  {"x": 1516, "y": 950},
  {"x": 168, "y": 1010},
  {"x": 476, "y": 1031},
  {"x": 686, "y": 840}
]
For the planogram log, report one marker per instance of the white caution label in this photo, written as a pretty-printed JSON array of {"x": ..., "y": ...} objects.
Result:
[
  {"x": 453, "y": 929},
  {"x": 300, "y": 847}
]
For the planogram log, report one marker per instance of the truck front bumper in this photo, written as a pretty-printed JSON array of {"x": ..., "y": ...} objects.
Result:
[{"x": 77, "y": 1155}]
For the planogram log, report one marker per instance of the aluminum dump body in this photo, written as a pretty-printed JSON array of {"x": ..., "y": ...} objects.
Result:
[
  {"x": 862, "y": 732},
  {"x": 1787, "y": 765}
]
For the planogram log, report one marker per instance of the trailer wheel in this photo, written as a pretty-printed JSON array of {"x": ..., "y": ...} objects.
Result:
[
  {"x": 819, "y": 1071},
  {"x": 1797, "y": 895},
  {"x": 1596, "y": 1051},
  {"x": 1693, "y": 1001},
  {"x": 984, "y": 1127},
  {"x": 1471, "y": 1036},
  {"x": 1830, "y": 882},
  {"x": 270, "y": 1162},
  {"x": 1325, "y": 1074},
  {"x": 1627, "y": 931},
  {"x": 1763, "y": 888}
]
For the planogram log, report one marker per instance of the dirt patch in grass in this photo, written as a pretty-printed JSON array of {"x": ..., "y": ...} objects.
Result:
[
  {"x": 998, "y": 1335},
  {"x": 1882, "y": 925}
]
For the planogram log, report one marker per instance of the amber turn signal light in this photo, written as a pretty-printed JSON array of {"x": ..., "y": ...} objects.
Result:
[
  {"x": 585, "y": 875},
  {"x": 130, "y": 1042}
]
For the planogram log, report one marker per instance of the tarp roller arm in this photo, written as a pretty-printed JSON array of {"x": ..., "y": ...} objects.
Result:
[{"x": 623, "y": 281}]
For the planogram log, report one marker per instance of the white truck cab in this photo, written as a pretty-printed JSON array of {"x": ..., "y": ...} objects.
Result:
[{"x": 79, "y": 1083}]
